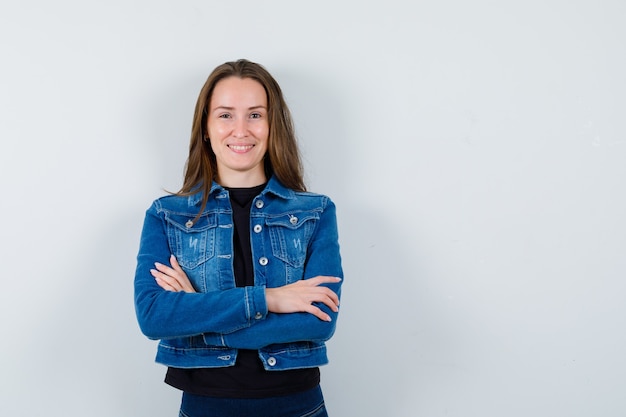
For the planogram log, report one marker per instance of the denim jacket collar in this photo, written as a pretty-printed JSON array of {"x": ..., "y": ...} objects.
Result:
[{"x": 273, "y": 186}]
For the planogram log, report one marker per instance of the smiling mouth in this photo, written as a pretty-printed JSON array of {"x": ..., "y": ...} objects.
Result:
[{"x": 240, "y": 148}]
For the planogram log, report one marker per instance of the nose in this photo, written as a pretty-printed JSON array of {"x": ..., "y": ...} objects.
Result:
[{"x": 241, "y": 128}]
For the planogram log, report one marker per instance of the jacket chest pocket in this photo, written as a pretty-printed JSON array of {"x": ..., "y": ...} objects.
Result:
[
  {"x": 290, "y": 235},
  {"x": 191, "y": 244}
]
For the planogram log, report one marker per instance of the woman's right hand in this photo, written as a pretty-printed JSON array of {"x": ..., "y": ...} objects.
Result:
[
  {"x": 172, "y": 279},
  {"x": 299, "y": 297}
]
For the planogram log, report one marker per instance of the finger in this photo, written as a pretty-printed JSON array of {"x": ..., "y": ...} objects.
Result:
[
  {"x": 170, "y": 272},
  {"x": 331, "y": 302},
  {"x": 164, "y": 284},
  {"x": 317, "y": 312},
  {"x": 164, "y": 269},
  {"x": 165, "y": 281},
  {"x": 175, "y": 264},
  {"x": 178, "y": 274},
  {"x": 328, "y": 297},
  {"x": 323, "y": 279},
  {"x": 333, "y": 296}
]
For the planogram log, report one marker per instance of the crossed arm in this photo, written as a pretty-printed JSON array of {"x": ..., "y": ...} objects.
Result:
[{"x": 298, "y": 297}]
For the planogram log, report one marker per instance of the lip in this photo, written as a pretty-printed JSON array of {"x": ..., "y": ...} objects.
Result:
[{"x": 240, "y": 148}]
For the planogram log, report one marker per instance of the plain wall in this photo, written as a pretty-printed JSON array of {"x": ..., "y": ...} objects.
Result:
[{"x": 476, "y": 151}]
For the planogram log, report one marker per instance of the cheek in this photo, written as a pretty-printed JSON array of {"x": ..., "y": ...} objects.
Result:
[
  {"x": 263, "y": 132},
  {"x": 213, "y": 144},
  {"x": 212, "y": 130},
  {"x": 217, "y": 128}
]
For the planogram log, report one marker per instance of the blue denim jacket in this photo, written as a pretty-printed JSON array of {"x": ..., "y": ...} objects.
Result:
[{"x": 293, "y": 237}]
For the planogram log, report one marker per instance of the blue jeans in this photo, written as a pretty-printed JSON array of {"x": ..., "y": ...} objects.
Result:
[{"x": 302, "y": 404}]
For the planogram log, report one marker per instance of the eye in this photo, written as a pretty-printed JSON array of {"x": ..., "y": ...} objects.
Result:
[
  {"x": 224, "y": 116},
  {"x": 256, "y": 115}
]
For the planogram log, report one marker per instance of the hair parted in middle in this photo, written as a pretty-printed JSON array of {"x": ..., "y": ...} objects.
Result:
[{"x": 283, "y": 156}]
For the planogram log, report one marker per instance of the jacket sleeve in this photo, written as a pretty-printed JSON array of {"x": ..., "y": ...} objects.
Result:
[
  {"x": 164, "y": 314},
  {"x": 323, "y": 258}
]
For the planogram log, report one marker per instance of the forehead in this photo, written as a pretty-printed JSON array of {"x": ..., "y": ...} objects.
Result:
[{"x": 234, "y": 91}]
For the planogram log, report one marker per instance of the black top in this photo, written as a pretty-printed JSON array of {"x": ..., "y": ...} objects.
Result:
[{"x": 248, "y": 378}]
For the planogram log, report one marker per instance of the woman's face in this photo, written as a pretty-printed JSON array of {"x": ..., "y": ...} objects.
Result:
[{"x": 238, "y": 128}]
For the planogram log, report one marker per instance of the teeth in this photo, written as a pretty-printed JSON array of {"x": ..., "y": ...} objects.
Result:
[{"x": 240, "y": 147}]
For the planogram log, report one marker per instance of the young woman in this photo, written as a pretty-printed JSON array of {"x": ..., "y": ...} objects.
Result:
[{"x": 239, "y": 273}]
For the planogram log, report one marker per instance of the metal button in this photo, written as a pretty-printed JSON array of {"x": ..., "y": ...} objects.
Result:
[
  {"x": 259, "y": 204},
  {"x": 263, "y": 261},
  {"x": 293, "y": 220},
  {"x": 271, "y": 361},
  {"x": 258, "y": 316},
  {"x": 257, "y": 228},
  {"x": 189, "y": 224}
]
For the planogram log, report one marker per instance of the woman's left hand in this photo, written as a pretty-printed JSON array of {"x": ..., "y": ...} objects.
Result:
[{"x": 171, "y": 279}]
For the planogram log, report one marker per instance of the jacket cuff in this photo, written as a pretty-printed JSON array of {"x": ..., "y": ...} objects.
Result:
[{"x": 256, "y": 304}]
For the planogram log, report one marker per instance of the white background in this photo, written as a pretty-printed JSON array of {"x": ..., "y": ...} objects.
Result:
[{"x": 476, "y": 151}]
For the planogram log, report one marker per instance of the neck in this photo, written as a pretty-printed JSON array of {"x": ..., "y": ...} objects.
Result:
[{"x": 241, "y": 179}]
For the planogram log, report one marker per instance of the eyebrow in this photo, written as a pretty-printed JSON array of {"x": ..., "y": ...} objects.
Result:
[{"x": 232, "y": 108}]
